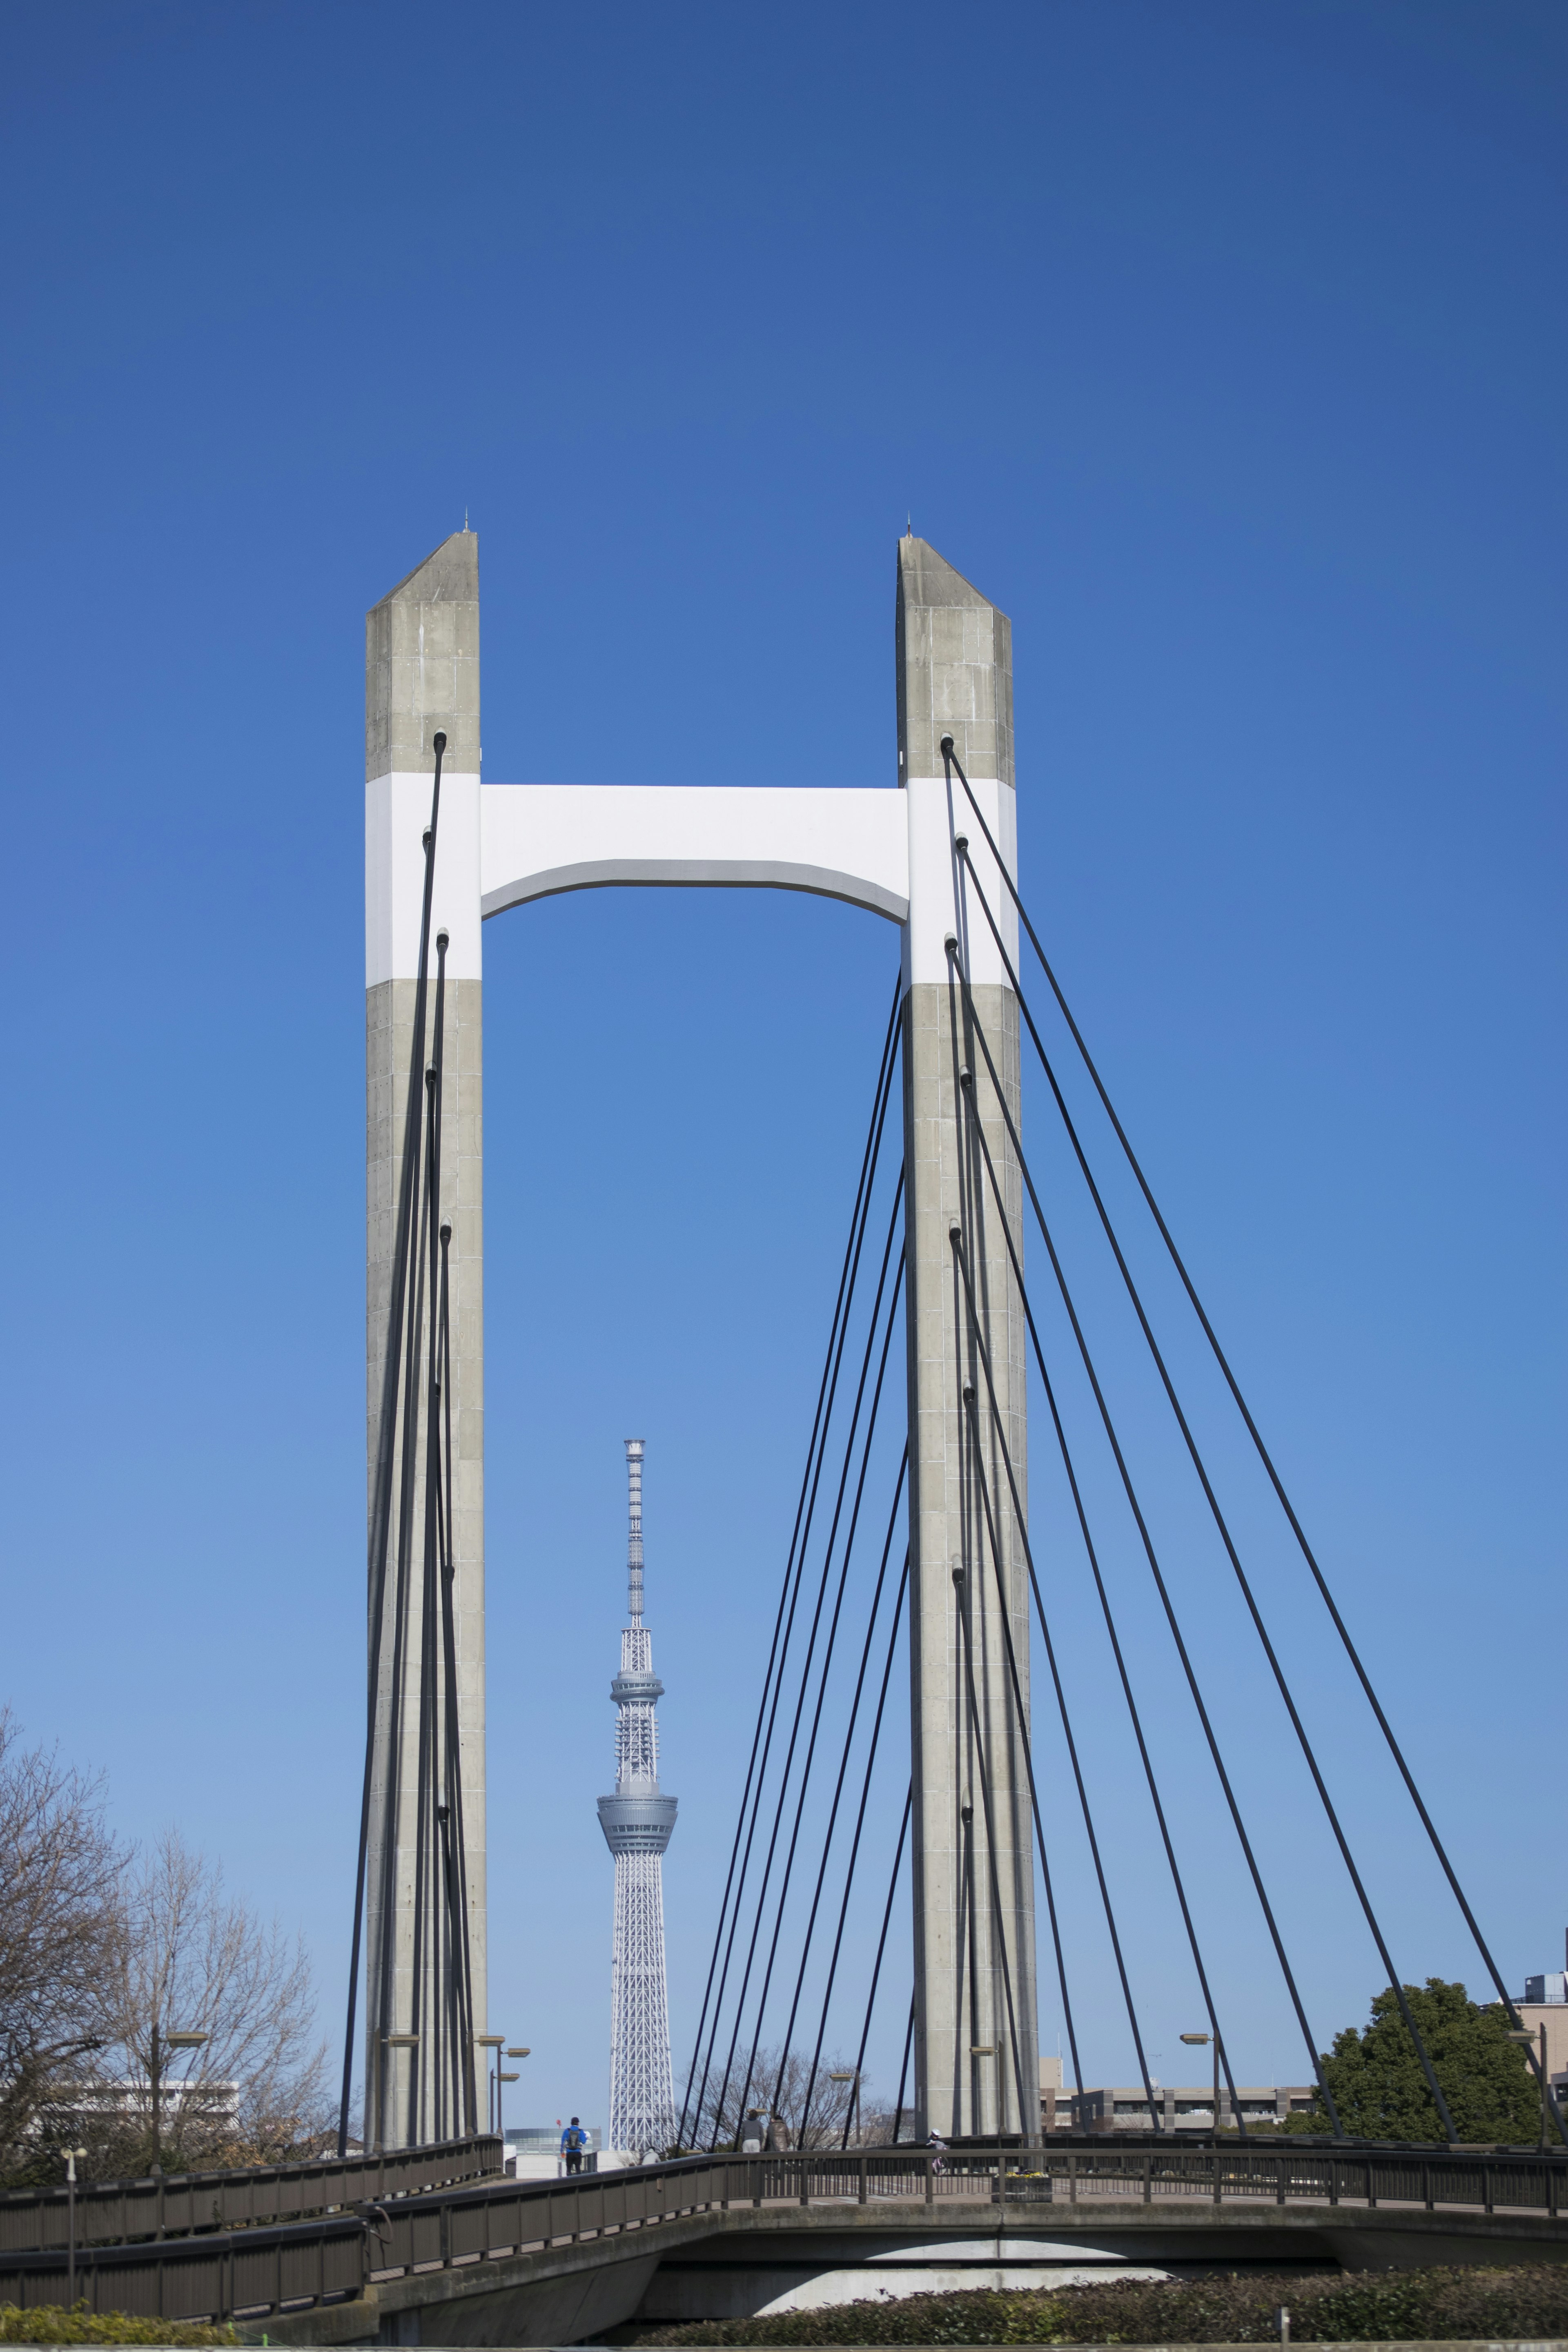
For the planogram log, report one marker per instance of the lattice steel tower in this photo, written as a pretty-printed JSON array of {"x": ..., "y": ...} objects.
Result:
[{"x": 636, "y": 1822}]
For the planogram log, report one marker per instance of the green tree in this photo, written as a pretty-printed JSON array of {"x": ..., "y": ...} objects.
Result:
[{"x": 1380, "y": 2092}]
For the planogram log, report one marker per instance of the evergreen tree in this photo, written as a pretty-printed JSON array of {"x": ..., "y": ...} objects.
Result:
[{"x": 1381, "y": 2092}]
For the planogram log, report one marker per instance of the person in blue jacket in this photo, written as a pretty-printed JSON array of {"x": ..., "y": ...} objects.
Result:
[{"x": 573, "y": 2140}]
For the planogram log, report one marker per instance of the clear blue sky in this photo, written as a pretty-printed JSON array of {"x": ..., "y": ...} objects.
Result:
[{"x": 1223, "y": 345}]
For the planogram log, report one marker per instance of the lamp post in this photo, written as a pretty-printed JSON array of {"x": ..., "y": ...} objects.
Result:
[
  {"x": 70, "y": 2155},
  {"x": 489, "y": 2042},
  {"x": 500, "y": 2078},
  {"x": 1523, "y": 2033},
  {"x": 851, "y": 2074},
  {"x": 1215, "y": 2038},
  {"x": 167, "y": 2042}
]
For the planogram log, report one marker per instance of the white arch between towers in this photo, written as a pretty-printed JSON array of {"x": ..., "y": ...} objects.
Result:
[{"x": 886, "y": 849}]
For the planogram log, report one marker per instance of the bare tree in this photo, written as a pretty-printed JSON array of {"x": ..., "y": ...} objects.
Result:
[
  {"x": 59, "y": 1884},
  {"x": 188, "y": 1959},
  {"x": 776, "y": 2099}
]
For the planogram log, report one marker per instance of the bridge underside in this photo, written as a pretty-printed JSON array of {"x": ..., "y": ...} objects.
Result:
[{"x": 731, "y": 2265}]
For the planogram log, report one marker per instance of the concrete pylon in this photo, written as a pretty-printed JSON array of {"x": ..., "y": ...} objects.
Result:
[
  {"x": 422, "y": 675},
  {"x": 976, "y": 2032}
]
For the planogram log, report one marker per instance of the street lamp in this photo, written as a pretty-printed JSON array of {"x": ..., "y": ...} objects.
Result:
[
  {"x": 851, "y": 2074},
  {"x": 500, "y": 2078},
  {"x": 1523, "y": 2033},
  {"x": 488, "y": 2042},
  {"x": 1215, "y": 2038},
  {"x": 70, "y": 2155},
  {"x": 168, "y": 2042}
]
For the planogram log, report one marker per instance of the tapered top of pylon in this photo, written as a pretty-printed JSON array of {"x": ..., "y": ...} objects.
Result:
[
  {"x": 422, "y": 665},
  {"x": 448, "y": 576},
  {"x": 954, "y": 668}
]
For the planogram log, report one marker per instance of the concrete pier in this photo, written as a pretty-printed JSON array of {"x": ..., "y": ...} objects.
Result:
[{"x": 422, "y": 676}]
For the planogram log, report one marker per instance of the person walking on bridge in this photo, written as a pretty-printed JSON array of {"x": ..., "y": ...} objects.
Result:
[{"x": 573, "y": 2140}]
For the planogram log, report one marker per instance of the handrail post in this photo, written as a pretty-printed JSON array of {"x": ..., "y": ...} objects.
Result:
[
  {"x": 1280, "y": 2181},
  {"x": 860, "y": 2189},
  {"x": 931, "y": 2178},
  {"x": 1213, "y": 2164},
  {"x": 1148, "y": 2180},
  {"x": 1072, "y": 2176}
]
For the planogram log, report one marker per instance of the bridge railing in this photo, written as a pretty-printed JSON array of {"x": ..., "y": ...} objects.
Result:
[
  {"x": 1404, "y": 2176},
  {"x": 158, "y": 2205},
  {"x": 256, "y": 2272}
]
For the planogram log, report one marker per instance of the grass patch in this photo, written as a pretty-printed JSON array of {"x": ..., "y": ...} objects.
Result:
[
  {"x": 1365, "y": 2306},
  {"x": 53, "y": 2323}
]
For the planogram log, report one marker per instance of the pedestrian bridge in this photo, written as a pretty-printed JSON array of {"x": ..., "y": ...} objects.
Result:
[{"x": 428, "y": 2247}]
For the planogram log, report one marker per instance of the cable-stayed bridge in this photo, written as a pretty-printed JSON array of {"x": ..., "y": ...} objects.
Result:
[{"x": 919, "y": 1818}]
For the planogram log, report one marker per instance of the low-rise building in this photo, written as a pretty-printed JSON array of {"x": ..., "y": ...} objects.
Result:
[{"x": 1176, "y": 2109}]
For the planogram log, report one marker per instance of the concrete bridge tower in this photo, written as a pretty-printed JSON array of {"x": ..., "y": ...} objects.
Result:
[
  {"x": 973, "y": 1877},
  {"x": 890, "y": 850},
  {"x": 422, "y": 678}
]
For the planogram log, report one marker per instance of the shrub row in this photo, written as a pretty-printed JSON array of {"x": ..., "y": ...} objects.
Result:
[
  {"x": 1366, "y": 2307},
  {"x": 53, "y": 2323}
]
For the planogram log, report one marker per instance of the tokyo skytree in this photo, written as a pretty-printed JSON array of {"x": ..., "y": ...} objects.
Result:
[{"x": 636, "y": 1822}]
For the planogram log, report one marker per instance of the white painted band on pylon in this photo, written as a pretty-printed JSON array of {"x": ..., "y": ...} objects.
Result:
[{"x": 397, "y": 813}]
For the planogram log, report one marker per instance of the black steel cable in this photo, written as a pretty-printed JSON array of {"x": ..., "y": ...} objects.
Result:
[
  {"x": 960, "y": 1578},
  {"x": 865, "y": 1781},
  {"x": 835, "y": 1343},
  {"x": 778, "y": 1684},
  {"x": 827, "y": 1668},
  {"x": 421, "y": 2126},
  {"x": 1191, "y": 1680},
  {"x": 1300, "y": 1728},
  {"x": 428, "y": 1994},
  {"x": 1088, "y": 1544},
  {"x": 811, "y": 1644},
  {"x": 879, "y": 1112},
  {"x": 1254, "y": 1432},
  {"x": 904, "y": 2071},
  {"x": 381, "y": 1491},
  {"x": 843, "y": 1769},
  {"x": 881, "y": 1948},
  {"x": 463, "y": 2024},
  {"x": 1088, "y": 1812}
]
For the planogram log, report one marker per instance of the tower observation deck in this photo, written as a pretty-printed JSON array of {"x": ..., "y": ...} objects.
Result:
[{"x": 637, "y": 1821}]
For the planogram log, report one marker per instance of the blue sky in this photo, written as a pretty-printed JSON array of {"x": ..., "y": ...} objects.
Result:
[{"x": 1222, "y": 345}]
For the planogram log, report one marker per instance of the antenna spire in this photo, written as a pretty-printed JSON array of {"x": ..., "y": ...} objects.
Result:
[{"x": 633, "y": 1531}]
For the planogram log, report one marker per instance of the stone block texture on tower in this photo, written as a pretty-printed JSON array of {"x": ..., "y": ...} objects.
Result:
[{"x": 422, "y": 676}]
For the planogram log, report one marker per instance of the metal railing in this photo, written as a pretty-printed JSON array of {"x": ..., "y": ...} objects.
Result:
[
  {"x": 159, "y": 2205},
  {"x": 258, "y": 2271},
  {"x": 1469, "y": 2178}
]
